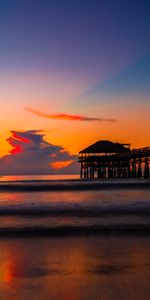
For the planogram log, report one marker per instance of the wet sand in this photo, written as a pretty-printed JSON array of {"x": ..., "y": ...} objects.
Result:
[{"x": 74, "y": 268}]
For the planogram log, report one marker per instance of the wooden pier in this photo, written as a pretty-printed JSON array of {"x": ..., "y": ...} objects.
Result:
[{"x": 105, "y": 159}]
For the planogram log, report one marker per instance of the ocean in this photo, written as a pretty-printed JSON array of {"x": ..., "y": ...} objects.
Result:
[
  {"x": 53, "y": 205},
  {"x": 71, "y": 239}
]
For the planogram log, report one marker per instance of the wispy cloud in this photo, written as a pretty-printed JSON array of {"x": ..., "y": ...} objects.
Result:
[{"x": 70, "y": 117}]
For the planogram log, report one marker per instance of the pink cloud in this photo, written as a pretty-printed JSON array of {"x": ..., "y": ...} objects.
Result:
[
  {"x": 64, "y": 116},
  {"x": 31, "y": 154}
]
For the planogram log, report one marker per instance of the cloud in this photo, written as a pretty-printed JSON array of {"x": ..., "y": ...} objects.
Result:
[
  {"x": 69, "y": 117},
  {"x": 32, "y": 155}
]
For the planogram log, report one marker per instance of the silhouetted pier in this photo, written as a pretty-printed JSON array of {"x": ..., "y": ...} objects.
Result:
[{"x": 105, "y": 159}]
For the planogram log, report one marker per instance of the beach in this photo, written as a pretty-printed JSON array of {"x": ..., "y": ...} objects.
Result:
[{"x": 75, "y": 268}]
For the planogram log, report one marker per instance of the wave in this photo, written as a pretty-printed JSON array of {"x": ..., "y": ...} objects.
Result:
[
  {"x": 41, "y": 221},
  {"x": 140, "y": 229},
  {"x": 70, "y": 185},
  {"x": 119, "y": 211},
  {"x": 110, "y": 210}
]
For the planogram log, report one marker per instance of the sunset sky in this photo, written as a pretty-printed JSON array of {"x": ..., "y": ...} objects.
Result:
[{"x": 71, "y": 72}]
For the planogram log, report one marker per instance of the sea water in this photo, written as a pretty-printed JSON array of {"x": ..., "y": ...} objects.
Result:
[{"x": 57, "y": 205}]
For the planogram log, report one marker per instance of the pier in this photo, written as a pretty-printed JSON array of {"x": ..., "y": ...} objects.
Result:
[{"x": 105, "y": 159}]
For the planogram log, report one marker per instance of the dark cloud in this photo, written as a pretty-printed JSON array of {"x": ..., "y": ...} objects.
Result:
[
  {"x": 31, "y": 154},
  {"x": 64, "y": 116}
]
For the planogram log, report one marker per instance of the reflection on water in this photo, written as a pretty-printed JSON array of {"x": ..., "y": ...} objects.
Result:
[{"x": 75, "y": 268}]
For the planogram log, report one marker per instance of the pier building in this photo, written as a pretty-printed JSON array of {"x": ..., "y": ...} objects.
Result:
[{"x": 105, "y": 159}]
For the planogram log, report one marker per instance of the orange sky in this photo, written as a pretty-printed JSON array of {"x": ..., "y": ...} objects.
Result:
[{"x": 132, "y": 126}]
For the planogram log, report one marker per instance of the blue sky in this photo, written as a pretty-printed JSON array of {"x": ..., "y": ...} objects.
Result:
[{"x": 73, "y": 36}]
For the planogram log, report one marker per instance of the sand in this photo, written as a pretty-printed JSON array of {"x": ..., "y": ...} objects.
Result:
[{"x": 73, "y": 268}]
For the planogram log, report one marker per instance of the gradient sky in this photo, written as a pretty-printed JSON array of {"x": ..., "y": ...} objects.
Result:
[{"x": 79, "y": 71}]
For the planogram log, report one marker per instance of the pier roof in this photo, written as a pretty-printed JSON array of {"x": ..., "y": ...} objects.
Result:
[{"x": 106, "y": 147}]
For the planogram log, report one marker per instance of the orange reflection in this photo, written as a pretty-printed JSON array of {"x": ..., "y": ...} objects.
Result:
[
  {"x": 75, "y": 268},
  {"x": 8, "y": 275},
  {"x": 6, "y": 270}
]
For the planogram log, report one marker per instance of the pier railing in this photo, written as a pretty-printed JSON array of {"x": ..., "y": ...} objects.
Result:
[{"x": 131, "y": 154}]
